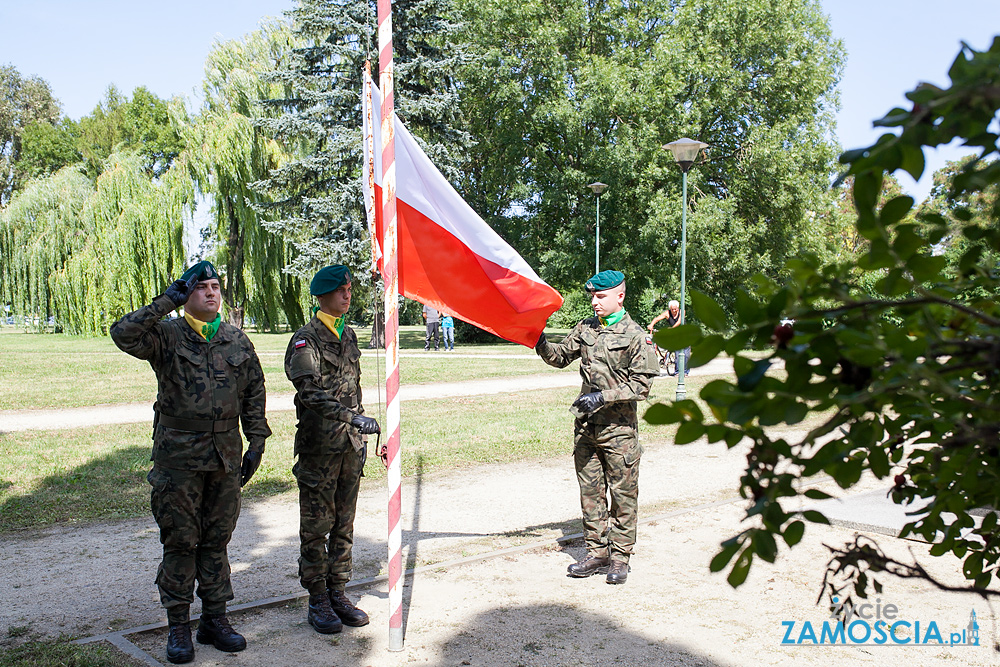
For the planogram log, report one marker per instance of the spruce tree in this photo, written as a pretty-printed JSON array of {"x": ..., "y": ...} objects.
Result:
[{"x": 317, "y": 201}]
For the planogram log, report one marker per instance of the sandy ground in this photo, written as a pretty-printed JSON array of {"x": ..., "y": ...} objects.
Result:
[
  {"x": 517, "y": 609},
  {"x": 513, "y": 606}
]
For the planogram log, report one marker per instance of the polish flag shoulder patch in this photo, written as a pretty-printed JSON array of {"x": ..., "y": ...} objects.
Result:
[{"x": 300, "y": 343}]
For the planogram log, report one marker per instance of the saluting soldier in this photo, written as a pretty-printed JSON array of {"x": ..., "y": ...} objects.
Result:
[
  {"x": 617, "y": 366},
  {"x": 209, "y": 380},
  {"x": 322, "y": 361}
]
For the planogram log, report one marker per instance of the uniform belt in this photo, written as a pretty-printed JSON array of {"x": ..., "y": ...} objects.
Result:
[{"x": 198, "y": 425}]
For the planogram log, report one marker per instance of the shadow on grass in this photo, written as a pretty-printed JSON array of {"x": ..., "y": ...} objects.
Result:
[{"x": 106, "y": 487}]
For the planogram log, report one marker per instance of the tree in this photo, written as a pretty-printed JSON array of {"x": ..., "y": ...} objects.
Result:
[
  {"x": 141, "y": 124},
  {"x": 573, "y": 91},
  {"x": 86, "y": 254},
  {"x": 229, "y": 153},
  {"x": 46, "y": 148},
  {"x": 968, "y": 206},
  {"x": 317, "y": 202},
  {"x": 904, "y": 381},
  {"x": 23, "y": 102}
]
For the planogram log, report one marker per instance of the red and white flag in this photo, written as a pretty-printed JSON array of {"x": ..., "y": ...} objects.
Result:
[{"x": 449, "y": 258}]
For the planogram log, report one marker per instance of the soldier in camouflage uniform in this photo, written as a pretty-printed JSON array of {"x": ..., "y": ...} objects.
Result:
[
  {"x": 322, "y": 361},
  {"x": 208, "y": 381},
  {"x": 617, "y": 365}
]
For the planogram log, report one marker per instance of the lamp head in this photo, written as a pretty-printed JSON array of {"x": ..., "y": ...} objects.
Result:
[
  {"x": 598, "y": 187},
  {"x": 685, "y": 151}
]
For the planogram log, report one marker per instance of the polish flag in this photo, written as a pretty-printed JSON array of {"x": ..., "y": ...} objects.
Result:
[{"x": 449, "y": 258}]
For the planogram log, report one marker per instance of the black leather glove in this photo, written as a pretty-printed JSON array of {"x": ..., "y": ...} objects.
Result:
[
  {"x": 365, "y": 425},
  {"x": 589, "y": 403},
  {"x": 541, "y": 339},
  {"x": 180, "y": 290},
  {"x": 251, "y": 461}
]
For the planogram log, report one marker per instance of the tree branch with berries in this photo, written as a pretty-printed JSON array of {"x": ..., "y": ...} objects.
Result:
[{"x": 895, "y": 354}]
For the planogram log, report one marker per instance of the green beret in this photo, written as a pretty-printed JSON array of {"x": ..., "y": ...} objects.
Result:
[
  {"x": 203, "y": 269},
  {"x": 605, "y": 280},
  {"x": 329, "y": 278}
]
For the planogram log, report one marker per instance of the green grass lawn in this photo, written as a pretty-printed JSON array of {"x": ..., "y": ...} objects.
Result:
[
  {"x": 56, "y": 371},
  {"x": 99, "y": 473}
]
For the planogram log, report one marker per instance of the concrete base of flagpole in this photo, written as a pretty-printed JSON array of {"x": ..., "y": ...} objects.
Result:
[{"x": 395, "y": 639}]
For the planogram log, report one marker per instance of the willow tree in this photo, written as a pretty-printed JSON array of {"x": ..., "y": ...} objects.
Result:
[
  {"x": 85, "y": 254},
  {"x": 230, "y": 152},
  {"x": 40, "y": 231}
]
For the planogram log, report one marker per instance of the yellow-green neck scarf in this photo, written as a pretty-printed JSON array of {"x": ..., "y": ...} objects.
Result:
[
  {"x": 613, "y": 318},
  {"x": 333, "y": 323},
  {"x": 206, "y": 330}
]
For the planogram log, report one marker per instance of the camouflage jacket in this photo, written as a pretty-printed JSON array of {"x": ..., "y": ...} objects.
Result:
[
  {"x": 215, "y": 382},
  {"x": 326, "y": 373},
  {"x": 615, "y": 360}
]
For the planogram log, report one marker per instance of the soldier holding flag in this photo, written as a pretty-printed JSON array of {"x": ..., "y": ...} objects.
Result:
[{"x": 617, "y": 366}]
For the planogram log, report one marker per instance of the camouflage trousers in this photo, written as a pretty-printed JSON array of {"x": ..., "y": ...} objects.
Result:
[
  {"x": 328, "y": 500},
  {"x": 196, "y": 512},
  {"x": 607, "y": 464}
]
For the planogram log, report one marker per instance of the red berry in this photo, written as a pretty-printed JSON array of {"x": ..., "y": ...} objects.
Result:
[{"x": 900, "y": 480}]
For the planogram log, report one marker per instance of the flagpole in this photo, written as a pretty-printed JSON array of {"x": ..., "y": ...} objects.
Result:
[{"x": 390, "y": 267}]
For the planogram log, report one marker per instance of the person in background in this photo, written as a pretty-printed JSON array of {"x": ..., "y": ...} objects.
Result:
[
  {"x": 672, "y": 318},
  {"x": 432, "y": 319},
  {"x": 448, "y": 332}
]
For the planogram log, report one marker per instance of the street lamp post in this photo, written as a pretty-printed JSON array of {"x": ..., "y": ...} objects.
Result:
[
  {"x": 598, "y": 188},
  {"x": 685, "y": 152}
]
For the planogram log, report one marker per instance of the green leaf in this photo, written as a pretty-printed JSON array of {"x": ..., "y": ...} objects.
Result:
[
  {"x": 764, "y": 545},
  {"x": 661, "y": 413},
  {"x": 707, "y": 350},
  {"x": 895, "y": 210},
  {"x": 879, "y": 461},
  {"x": 688, "y": 432},
  {"x": 716, "y": 432},
  {"x": 747, "y": 308},
  {"x": 816, "y": 494},
  {"x": 816, "y": 517},
  {"x": 795, "y": 412},
  {"x": 677, "y": 338},
  {"x": 913, "y": 160},
  {"x": 793, "y": 533},
  {"x": 741, "y": 569},
  {"x": 747, "y": 381},
  {"x": 926, "y": 268},
  {"x": 721, "y": 559},
  {"x": 867, "y": 188},
  {"x": 709, "y": 312}
]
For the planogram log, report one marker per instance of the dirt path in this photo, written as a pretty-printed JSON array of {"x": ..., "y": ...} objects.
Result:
[{"x": 519, "y": 609}]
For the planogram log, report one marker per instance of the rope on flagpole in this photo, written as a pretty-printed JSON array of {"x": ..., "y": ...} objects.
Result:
[{"x": 391, "y": 276}]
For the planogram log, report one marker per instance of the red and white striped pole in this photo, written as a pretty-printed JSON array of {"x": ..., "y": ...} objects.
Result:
[{"x": 391, "y": 275}]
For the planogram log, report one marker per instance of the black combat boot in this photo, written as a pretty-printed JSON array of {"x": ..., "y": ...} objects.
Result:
[
  {"x": 321, "y": 615},
  {"x": 179, "y": 646},
  {"x": 588, "y": 566},
  {"x": 618, "y": 573},
  {"x": 214, "y": 629},
  {"x": 347, "y": 612}
]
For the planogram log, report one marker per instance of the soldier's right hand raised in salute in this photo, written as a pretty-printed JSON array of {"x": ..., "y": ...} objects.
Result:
[{"x": 180, "y": 290}]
